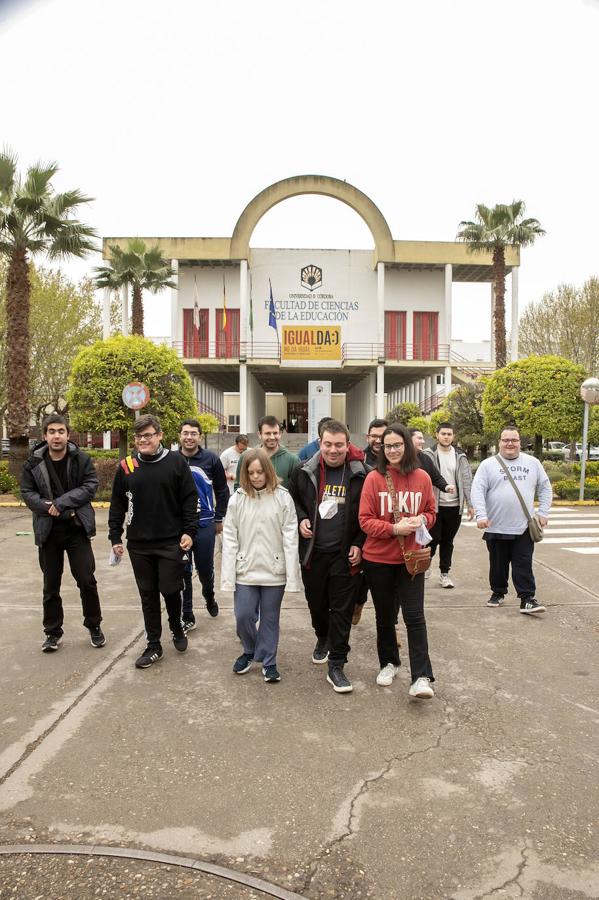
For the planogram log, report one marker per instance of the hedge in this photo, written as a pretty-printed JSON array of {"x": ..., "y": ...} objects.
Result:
[{"x": 569, "y": 489}]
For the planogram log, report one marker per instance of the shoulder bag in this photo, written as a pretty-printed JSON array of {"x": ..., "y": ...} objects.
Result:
[
  {"x": 417, "y": 561},
  {"x": 535, "y": 529}
]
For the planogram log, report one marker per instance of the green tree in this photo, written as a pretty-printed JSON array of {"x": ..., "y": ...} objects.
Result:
[
  {"x": 464, "y": 407},
  {"x": 143, "y": 269},
  {"x": 493, "y": 230},
  {"x": 33, "y": 219},
  {"x": 422, "y": 423},
  {"x": 541, "y": 395},
  {"x": 564, "y": 323},
  {"x": 100, "y": 373},
  {"x": 403, "y": 412}
]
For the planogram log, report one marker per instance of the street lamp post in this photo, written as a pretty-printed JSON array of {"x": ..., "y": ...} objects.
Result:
[{"x": 589, "y": 391}]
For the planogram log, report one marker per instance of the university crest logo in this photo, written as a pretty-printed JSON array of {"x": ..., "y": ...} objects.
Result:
[{"x": 311, "y": 277}]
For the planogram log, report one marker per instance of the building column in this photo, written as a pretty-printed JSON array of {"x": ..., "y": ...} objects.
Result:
[
  {"x": 515, "y": 316},
  {"x": 447, "y": 309},
  {"x": 243, "y": 308},
  {"x": 380, "y": 305},
  {"x": 243, "y": 398},
  {"x": 125, "y": 309},
  {"x": 448, "y": 385},
  {"x": 175, "y": 315},
  {"x": 380, "y": 391}
]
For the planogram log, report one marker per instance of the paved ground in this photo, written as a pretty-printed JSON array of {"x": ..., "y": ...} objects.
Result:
[{"x": 489, "y": 790}]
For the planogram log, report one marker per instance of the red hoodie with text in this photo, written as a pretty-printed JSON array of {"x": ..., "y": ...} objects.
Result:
[{"x": 415, "y": 498}]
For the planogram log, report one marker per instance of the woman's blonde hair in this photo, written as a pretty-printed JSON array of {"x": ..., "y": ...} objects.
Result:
[{"x": 260, "y": 455}]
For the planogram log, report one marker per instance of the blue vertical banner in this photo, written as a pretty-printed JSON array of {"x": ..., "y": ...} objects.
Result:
[{"x": 272, "y": 319}]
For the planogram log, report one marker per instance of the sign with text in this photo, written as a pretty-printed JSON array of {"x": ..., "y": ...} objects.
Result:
[{"x": 311, "y": 343}]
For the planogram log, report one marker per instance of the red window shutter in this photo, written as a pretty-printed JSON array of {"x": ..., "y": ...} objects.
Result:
[{"x": 395, "y": 334}]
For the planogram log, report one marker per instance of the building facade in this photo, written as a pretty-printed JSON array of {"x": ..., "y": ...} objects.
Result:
[{"x": 254, "y": 326}]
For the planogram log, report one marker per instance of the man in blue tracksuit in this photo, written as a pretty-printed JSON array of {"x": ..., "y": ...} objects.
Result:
[{"x": 211, "y": 482}]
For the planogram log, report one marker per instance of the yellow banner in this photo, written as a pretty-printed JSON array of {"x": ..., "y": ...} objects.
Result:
[{"x": 311, "y": 342}]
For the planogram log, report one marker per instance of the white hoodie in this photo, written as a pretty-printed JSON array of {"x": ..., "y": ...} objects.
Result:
[{"x": 260, "y": 541}]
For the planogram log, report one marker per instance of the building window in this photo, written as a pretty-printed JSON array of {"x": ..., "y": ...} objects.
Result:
[
  {"x": 395, "y": 335},
  {"x": 195, "y": 334},
  {"x": 227, "y": 339},
  {"x": 426, "y": 331}
]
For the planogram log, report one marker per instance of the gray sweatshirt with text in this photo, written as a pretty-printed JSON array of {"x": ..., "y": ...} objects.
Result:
[{"x": 494, "y": 498}]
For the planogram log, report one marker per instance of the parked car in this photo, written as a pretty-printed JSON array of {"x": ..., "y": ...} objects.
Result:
[
  {"x": 557, "y": 446},
  {"x": 593, "y": 452}
]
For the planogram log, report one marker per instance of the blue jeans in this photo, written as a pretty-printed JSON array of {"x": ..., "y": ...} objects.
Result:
[
  {"x": 252, "y": 602},
  {"x": 203, "y": 557}
]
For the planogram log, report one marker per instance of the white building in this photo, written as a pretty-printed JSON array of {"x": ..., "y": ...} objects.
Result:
[{"x": 375, "y": 323}]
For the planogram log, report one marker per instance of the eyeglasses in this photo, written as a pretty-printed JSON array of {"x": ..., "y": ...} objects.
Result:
[
  {"x": 393, "y": 447},
  {"x": 510, "y": 440},
  {"x": 146, "y": 436},
  {"x": 190, "y": 434}
]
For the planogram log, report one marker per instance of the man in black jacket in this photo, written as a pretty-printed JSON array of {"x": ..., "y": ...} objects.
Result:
[
  {"x": 427, "y": 463},
  {"x": 155, "y": 494},
  {"x": 326, "y": 491},
  {"x": 58, "y": 483}
]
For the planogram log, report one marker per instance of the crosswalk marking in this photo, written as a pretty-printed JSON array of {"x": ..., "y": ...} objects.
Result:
[
  {"x": 587, "y": 550},
  {"x": 572, "y": 540},
  {"x": 569, "y": 527}
]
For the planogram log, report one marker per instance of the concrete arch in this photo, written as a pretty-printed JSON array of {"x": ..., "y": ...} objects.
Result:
[{"x": 313, "y": 184}]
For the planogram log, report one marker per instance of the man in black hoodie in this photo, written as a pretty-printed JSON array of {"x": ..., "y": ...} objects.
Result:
[
  {"x": 58, "y": 483},
  {"x": 155, "y": 494}
]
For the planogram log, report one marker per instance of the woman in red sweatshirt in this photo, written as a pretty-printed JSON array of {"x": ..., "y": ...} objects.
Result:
[{"x": 382, "y": 555}]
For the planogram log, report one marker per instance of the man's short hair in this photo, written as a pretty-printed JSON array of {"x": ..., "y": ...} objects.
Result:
[
  {"x": 336, "y": 427},
  {"x": 241, "y": 438},
  {"x": 55, "y": 419},
  {"x": 510, "y": 428},
  {"x": 271, "y": 421},
  {"x": 324, "y": 421},
  {"x": 377, "y": 423},
  {"x": 146, "y": 422},
  {"x": 443, "y": 425},
  {"x": 193, "y": 422}
]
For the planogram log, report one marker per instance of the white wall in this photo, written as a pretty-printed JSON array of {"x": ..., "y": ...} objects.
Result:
[
  {"x": 256, "y": 401},
  {"x": 360, "y": 406}
]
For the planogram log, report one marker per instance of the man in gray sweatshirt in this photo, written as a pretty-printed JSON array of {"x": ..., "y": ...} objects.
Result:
[{"x": 499, "y": 513}]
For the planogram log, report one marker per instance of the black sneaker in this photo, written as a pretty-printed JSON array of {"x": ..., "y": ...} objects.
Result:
[
  {"x": 530, "y": 607},
  {"x": 243, "y": 663},
  {"x": 337, "y": 677},
  {"x": 212, "y": 607},
  {"x": 320, "y": 653},
  {"x": 51, "y": 643},
  {"x": 188, "y": 625},
  {"x": 271, "y": 674},
  {"x": 151, "y": 654},
  {"x": 495, "y": 600},
  {"x": 180, "y": 641},
  {"x": 96, "y": 636}
]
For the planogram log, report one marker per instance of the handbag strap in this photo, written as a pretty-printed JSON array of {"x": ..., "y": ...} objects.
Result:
[{"x": 515, "y": 487}]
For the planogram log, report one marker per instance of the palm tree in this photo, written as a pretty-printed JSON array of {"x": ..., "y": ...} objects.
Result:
[
  {"x": 494, "y": 230},
  {"x": 33, "y": 219},
  {"x": 143, "y": 269}
]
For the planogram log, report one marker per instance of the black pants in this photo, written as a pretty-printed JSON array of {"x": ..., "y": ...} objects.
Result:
[
  {"x": 388, "y": 585},
  {"x": 517, "y": 552},
  {"x": 159, "y": 571},
  {"x": 330, "y": 592},
  {"x": 203, "y": 557},
  {"x": 79, "y": 551},
  {"x": 444, "y": 530}
]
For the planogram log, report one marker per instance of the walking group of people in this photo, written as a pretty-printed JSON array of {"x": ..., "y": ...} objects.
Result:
[{"x": 339, "y": 521}]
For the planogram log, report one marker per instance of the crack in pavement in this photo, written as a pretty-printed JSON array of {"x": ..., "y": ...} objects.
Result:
[
  {"x": 515, "y": 880},
  {"x": 448, "y": 725}
]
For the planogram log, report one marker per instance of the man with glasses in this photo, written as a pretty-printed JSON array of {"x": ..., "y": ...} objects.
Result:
[
  {"x": 155, "y": 495},
  {"x": 500, "y": 515},
  {"x": 374, "y": 438},
  {"x": 211, "y": 482}
]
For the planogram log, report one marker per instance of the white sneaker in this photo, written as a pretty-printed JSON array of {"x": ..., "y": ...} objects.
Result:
[
  {"x": 421, "y": 689},
  {"x": 445, "y": 581},
  {"x": 387, "y": 674}
]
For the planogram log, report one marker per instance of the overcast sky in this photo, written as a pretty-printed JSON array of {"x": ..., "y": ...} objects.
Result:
[{"x": 174, "y": 115}]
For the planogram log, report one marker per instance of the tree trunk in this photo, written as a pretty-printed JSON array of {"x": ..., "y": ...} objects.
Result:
[
  {"x": 123, "y": 443},
  {"x": 539, "y": 446},
  {"x": 499, "y": 323},
  {"x": 137, "y": 311},
  {"x": 18, "y": 290}
]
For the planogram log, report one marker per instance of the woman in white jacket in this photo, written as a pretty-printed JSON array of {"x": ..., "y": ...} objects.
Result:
[{"x": 259, "y": 560}]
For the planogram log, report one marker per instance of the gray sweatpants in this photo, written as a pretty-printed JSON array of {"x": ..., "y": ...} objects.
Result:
[{"x": 252, "y": 603}]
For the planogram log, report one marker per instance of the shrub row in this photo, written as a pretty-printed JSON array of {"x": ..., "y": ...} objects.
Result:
[{"x": 568, "y": 489}]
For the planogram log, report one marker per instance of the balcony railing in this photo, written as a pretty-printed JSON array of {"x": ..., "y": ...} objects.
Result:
[{"x": 251, "y": 350}]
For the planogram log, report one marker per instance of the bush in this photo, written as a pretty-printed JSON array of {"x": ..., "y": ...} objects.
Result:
[
  {"x": 553, "y": 455},
  {"x": 102, "y": 454},
  {"x": 8, "y": 484},
  {"x": 591, "y": 469},
  {"x": 558, "y": 471},
  {"x": 569, "y": 489},
  {"x": 105, "y": 470}
]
